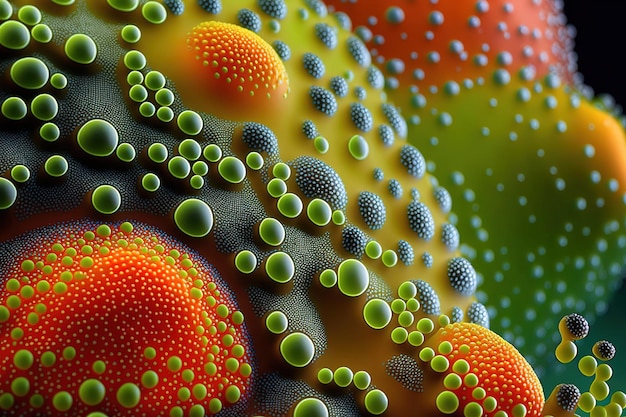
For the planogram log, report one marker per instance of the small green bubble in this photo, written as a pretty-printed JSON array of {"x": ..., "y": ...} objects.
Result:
[
  {"x": 134, "y": 60},
  {"x": 190, "y": 150},
  {"x": 157, "y": 152},
  {"x": 297, "y": 349},
  {"x": 189, "y": 122},
  {"x": 376, "y": 402},
  {"x": 255, "y": 161},
  {"x": 150, "y": 182},
  {"x": 194, "y": 217},
  {"x": 328, "y": 278},
  {"x": 81, "y": 49},
  {"x": 14, "y": 35},
  {"x": 8, "y": 193},
  {"x": 319, "y": 212},
  {"x": 124, "y": 5},
  {"x": 276, "y": 187},
  {"x": 271, "y": 231},
  {"x": 97, "y": 137},
  {"x": 138, "y": 93},
  {"x": 358, "y": 147},
  {"x": 245, "y": 261},
  {"x": 49, "y": 132},
  {"x": 58, "y": 81},
  {"x": 232, "y": 169},
  {"x": 282, "y": 171},
  {"x": 179, "y": 167},
  {"x": 56, "y": 166},
  {"x": 106, "y": 199},
  {"x": 14, "y": 108},
  {"x": 154, "y": 12},
  {"x": 41, "y": 33},
  {"x": 164, "y": 97},
  {"x": 280, "y": 267},
  {"x": 276, "y": 322},
  {"x": 131, "y": 33},
  {"x": 125, "y": 152},
  {"x": 44, "y": 107},
  {"x": 289, "y": 205}
]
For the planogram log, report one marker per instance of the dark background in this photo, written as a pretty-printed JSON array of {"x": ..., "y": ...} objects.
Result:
[{"x": 600, "y": 44}]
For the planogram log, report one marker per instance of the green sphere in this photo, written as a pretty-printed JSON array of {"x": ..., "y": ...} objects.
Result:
[
  {"x": 147, "y": 109},
  {"x": 58, "y": 81},
  {"x": 328, "y": 278},
  {"x": 179, "y": 167},
  {"x": 358, "y": 147},
  {"x": 49, "y": 132},
  {"x": 297, "y": 349},
  {"x": 20, "y": 386},
  {"x": 352, "y": 278},
  {"x": 319, "y": 212},
  {"x": 30, "y": 73},
  {"x": 164, "y": 97},
  {"x": 124, "y": 5},
  {"x": 447, "y": 402},
  {"x": 212, "y": 153},
  {"x": 343, "y": 376},
  {"x": 134, "y": 60},
  {"x": 280, "y": 267},
  {"x": 138, "y": 93},
  {"x": 97, "y": 137},
  {"x": 125, "y": 152},
  {"x": 8, "y": 193},
  {"x": 56, "y": 166},
  {"x": 14, "y": 108},
  {"x": 362, "y": 380},
  {"x": 44, "y": 107},
  {"x": 157, "y": 152},
  {"x": 232, "y": 169},
  {"x": 200, "y": 168},
  {"x": 128, "y": 395},
  {"x": 194, "y": 217},
  {"x": 377, "y": 313},
  {"x": 165, "y": 114},
  {"x": 190, "y": 150},
  {"x": 29, "y": 15},
  {"x": 255, "y": 161},
  {"x": 271, "y": 231},
  {"x": 20, "y": 173},
  {"x": 245, "y": 262},
  {"x": 92, "y": 392},
  {"x": 189, "y": 122},
  {"x": 376, "y": 402},
  {"x": 6, "y": 10},
  {"x": 155, "y": 80},
  {"x": 289, "y": 205},
  {"x": 106, "y": 199},
  {"x": 276, "y": 322},
  {"x": 41, "y": 33},
  {"x": 154, "y": 12},
  {"x": 14, "y": 35},
  {"x": 276, "y": 187},
  {"x": 62, "y": 401},
  {"x": 131, "y": 34},
  {"x": 310, "y": 407},
  {"x": 281, "y": 170},
  {"x": 150, "y": 182},
  {"x": 81, "y": 49}
]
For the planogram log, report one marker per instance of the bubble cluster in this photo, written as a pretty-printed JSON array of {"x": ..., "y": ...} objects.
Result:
[{"x": 260, "y": 134}]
